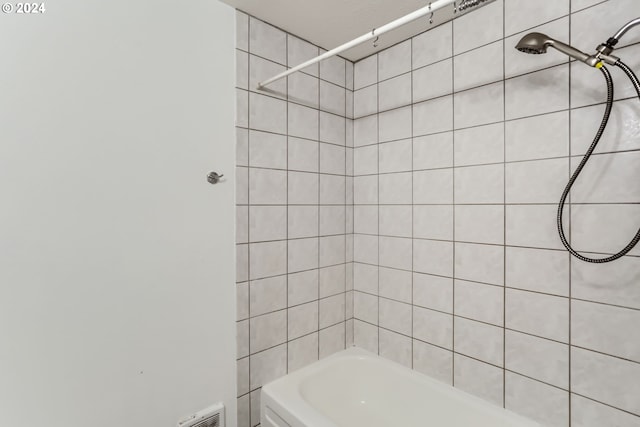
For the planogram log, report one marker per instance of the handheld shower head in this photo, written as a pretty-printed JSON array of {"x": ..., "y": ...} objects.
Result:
[{"x": 537, "y": 43}]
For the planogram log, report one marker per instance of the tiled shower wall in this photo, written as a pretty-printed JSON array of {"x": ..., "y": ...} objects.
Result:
[
  {"x": 462, "y": 148},
  {"x": 294, "y": 209}
]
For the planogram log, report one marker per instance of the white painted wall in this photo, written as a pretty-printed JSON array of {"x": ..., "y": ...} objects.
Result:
[{"x": 117, "y": 300}]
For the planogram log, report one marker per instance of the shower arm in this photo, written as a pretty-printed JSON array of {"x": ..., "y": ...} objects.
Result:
[{"x": 604, "y": 50}]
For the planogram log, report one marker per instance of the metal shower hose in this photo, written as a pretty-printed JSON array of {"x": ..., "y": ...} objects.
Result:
[{"x": 574, "y": 177}]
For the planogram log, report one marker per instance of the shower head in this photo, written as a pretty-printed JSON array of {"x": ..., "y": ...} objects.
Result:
[{"x": 537, "y": 43}]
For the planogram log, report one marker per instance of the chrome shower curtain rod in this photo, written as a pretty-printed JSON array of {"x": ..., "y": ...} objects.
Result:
[{"x": 459, "y": 8}]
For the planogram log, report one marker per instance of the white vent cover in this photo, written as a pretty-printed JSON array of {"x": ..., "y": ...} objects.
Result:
[{"x": 213, "y": 416}]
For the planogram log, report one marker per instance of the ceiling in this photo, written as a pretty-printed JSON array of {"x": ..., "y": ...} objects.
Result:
[{"x": 330, "y": 23}]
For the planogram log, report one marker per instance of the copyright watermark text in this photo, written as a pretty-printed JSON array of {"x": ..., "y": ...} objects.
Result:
[{"x": 24, "y": 8}]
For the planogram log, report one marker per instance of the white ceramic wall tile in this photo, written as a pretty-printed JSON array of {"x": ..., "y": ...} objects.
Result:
[
  {"x": 267, "y": 113},
  {"x": 302, "y": 351},
  {"x": 242, "y": 301},
  {"x": 537, "y": 401},
  {"x": 537, "y": 137},
  {"x": 395, "y": 284},
  {"x": 302, "y": 287},
  {"x": 433, "y": 292},
  {"x": 267, "y": 295},
  {"x": 606, "y": 379},
  {"x": 267, "y": 41},
  {"x": 268, "y": 365},
  {"x": 479, "y": 223},
  {"x": 479, "y": 145},
  {"x": 365, "y": 336},
  {"x": 479, "y": 106},
  {"x": 479, "y": 184},
  {"x": 395, "y": 252},
  {"x": 433, "y": 116},
  {"x": 332, "y": 220},
  {"x": 365, "y": 248},
  {"x": 332, "y": 98},
  {"x": 620, "y": 134},
  {"x": 432, "y": 46},
  {"x": 433, "y": 186},
  {"x": 365, "y": 278},
  {"x": 541, "y": 92},
  {"x": 267, "y": 331},
  {"x": 242, "y": 263},
  {"x": 538, "y": 270},
  {"x": 303, "y": 188},
  {"x": 333, "y": 70},
  {"x": 302, "y": 155},
  {"x": 261, "y": 69},
  {"x": 365, "y": 189},
  {"x": 394, "y": 124},
  {"x": 365, "y": 101},
  {"x": 242, "y": 31},
  {"x": 395, "y": 92},
  {"x": 365, "y": 72},
  {"x": 302, "y": 121},
  {"x": 433, "y": 81},
  {"x": 299, "y": 51},
  {"x": 478, "y": 28},
  {"x": 605, "y": 328},
  {"x": 242, "y": 108},
  {"x": 395, "y": 156},
  {"x": 532, "y": 226},
  {"x": 332, "y": 250},
  {"x": 365, "y": 307},
  {"x": 332, "y": 190},
  {"x": 332, "y": 280},
  {"x": 433, "y": 257},
  {"x": 537, "y": 358},
  {"x": 522, "y": 14},
  {"x": 242, "y": 147},
  {"x": 242, "y": 224},
  {"x": 537, "y": 314},
  {"x": 302, "y": 320},
  {"x": 331, "y": 311},
  {"x": 538, "y": 181},
  {"x": 267, "y": 259},
  {"x": 332, "y": 159},
  {"x": 333, "y": 129},
  {"x": 302, "y": 254},
  {"x": 478, "y": 378},
  {"x": 613, "y": 283},
  {"x": 242, "y": 70},
  {"x": 332, "y": 339},
  {"x": 477, "y": 301},
  {"x": 433, "y": 151},
  {"x": 597, "y": 183},
  {"x": 433, "y": 222},
  {"x": 395, "y": 316},
  {"x": 433, "y": 327},
  {"x": 481, "y": 263},
  {"x": 267, "y": 150},
  {"x": 395, "y": 220},
  {"x": 242, "y": 378},
  {"x": 395, "y": 188},
  {"x": 365, "y": 160},
  {"x": 303, "y": 89},
  {"x": 394, "y": 61},
  {"x": 302, "y": 221},
  {"x": 395, "y": 347},
  {"x": 433, "y": 361},
  {"x": 365, "y": 131},
  {"x": 242, "y": 338},
  {"x": 486, "y": 63},
  {"x": 587, "y": 413},
  {"x": 604, "y": 228},
  {"x": 594, "y": 25},
  {"x": 478, "y": 340}
]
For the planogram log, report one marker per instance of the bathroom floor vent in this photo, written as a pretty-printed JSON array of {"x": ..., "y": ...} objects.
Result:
[{"x": 212, "y": 416}]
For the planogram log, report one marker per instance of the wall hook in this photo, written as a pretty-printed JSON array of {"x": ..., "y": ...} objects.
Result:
[
  {"x": 431, "y": 18},
  {"x": 455, "y": 8},
  {"x": 375, "y": 42}
]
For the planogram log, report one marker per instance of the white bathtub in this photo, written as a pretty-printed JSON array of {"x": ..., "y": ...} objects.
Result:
[{"x": 354, "y": 388}]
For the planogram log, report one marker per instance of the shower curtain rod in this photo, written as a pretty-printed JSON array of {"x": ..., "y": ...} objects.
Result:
[{"x": 459, "y": 8}]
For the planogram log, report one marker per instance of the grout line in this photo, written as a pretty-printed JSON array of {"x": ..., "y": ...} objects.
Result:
[
  {"x": 504, "y": 209},
  {"x": 453, "y": 220},
  {"x": 569, "y": 361}
]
